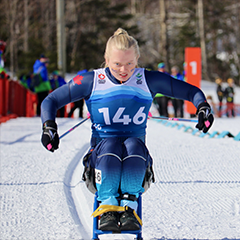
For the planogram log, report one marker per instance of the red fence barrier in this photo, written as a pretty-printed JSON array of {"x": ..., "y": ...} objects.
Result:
[
  {"x": 31, "y": 104},
  {"x": 4, "y": 88},
  {"x": 15, "y": 100}
]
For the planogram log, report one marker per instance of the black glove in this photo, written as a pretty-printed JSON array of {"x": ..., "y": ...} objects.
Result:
[
  {"x": 205, "y": 117},
  {"x": 50, "y": 138}
]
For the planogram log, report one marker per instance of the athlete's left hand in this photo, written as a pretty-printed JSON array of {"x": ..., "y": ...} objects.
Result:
[{"x": 205, "y": 117}]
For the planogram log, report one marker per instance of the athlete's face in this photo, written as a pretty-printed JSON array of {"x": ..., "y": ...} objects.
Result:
[{"x": 122, "y": 63}]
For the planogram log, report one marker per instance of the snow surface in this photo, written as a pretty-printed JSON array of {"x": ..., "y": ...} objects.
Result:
[{"x": 196, "y": 194}]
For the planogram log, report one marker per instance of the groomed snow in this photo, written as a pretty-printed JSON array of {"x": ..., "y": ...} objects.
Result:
[{"x": 196, "y": 193}]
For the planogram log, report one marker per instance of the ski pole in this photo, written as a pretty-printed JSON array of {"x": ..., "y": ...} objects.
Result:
[
  {"x": 64, "y": 134},
  {"x": 173, "y": 119}
]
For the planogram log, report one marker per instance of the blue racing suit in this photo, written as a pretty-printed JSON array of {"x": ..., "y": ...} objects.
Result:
[{"x": 119, "y": 115}]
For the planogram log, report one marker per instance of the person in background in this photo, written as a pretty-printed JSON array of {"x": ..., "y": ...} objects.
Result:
[
  {"x": 26, "y": 80},
  {"x": 3, "y": 72},
  {"x": 118, "y": 98},
  {"x": 178, "y": 104},
  {"x": 229, "y": 94},
  {"x": 78, "y": 104},
  {"x": 160, "y": 99},
  {"x": 2, "y": 50},
  {"x": 57, "y": 81},
  {"x": 220, "y": 95},
  {"x": 212, "y": 104},
  {"x": 184, "y": 72},
  {"x": 40, "y": 80}
]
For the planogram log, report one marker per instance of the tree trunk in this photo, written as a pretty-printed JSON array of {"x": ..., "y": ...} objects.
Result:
[
  {"x": 26, "y": 23},
  {"x": 77, "y": 35},
  {"x": 202, "y": 40},
  {"x": 61, "y": 41},
  {"x": 12, "y": 5},
  {"x": 133, "y": 7},
  {"x": 163, "y": 46},
  {"x": 238, "y": 38}
]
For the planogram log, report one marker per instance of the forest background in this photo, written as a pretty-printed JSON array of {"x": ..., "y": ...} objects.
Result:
[{"x": 163, "y": 28}]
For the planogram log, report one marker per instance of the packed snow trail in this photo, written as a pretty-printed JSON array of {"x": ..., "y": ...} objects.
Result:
[{"x": 196, "y": 194}]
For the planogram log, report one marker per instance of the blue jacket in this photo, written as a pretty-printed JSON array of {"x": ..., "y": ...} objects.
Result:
[
  {"x": 41, "y": 68},
  {"x": 44, "y": 85}
]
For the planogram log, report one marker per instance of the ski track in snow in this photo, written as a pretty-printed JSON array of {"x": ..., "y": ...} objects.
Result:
[
  {"x": 70, "y": 184},
  {"x": 196, "y": 194}
]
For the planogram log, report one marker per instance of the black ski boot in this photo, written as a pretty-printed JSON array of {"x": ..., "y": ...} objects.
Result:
[
  {"x": 128, "y": 221},
  {"x": 109, "y": 222}
]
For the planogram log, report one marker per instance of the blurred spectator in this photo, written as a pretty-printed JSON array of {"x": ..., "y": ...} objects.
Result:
[
  {"x": 3, "y": 73},
  {"x": 26, "y": 81},
  {"x": 184, "y": 71},
  {"x": 220, "y": 95},
  {"x": 2, "y": 50},
  {"x": 57, "y": 81},
  {"x": 78, "y": 104},
  {"x": 40, "y": 81},
  {"x": 160, "y": 99},
  {"x": 212, "y": 104},
  {"x": 161, "y": 68},
  {"x": 229, "y": 94},
  {"x": 178, "y": 104}
]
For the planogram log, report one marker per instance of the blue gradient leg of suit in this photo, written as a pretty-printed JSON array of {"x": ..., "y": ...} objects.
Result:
[
  {"x": 107, "y": 161},
  {"x": 121, "y": 165},
  {"x": 134, "y": 165}
]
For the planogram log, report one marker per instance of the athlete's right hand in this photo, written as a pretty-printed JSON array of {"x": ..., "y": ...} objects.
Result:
[{"x": 50, "y": 138}]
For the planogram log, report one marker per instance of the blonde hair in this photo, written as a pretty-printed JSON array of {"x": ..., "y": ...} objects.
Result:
[
  {"x": 122, "y": 41},
  {"x": 230, "y": 80}
]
